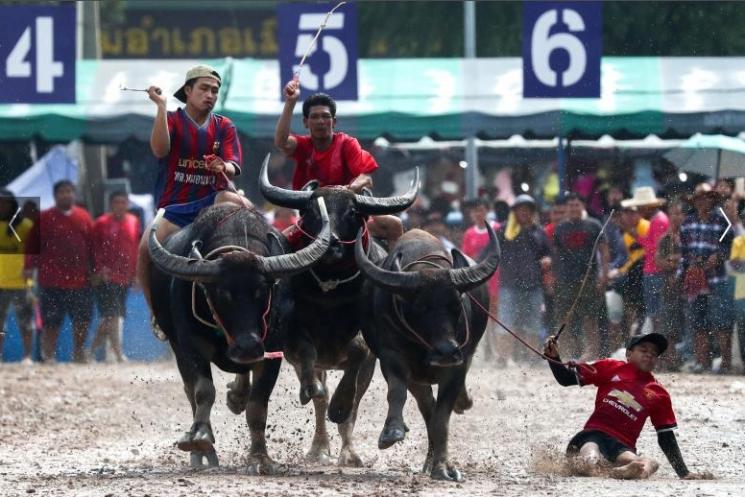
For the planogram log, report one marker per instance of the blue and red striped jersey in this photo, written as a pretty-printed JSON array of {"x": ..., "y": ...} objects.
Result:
[{"x": 182, "y": 177}]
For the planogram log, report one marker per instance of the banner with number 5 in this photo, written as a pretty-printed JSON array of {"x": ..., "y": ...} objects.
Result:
[
  {"x": 37, "y": 53},
  {"x": 562, "y": 48},
  {"x": 331, "y": 66}
]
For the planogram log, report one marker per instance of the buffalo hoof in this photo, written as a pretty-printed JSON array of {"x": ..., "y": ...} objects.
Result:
[
  {"x": 349, "y": 458},
  {"x": 390, "y": 435},
  {"x": 340, "y": 407},
  {"x": 197, "y": 456},
  {"x": 236, "y": 400},
  {"x": 446, "y": 472},
  {"x": 313, "y": 391},
  {"x": 320, "y": 455},
  {"x": 464, "y": 402},
  {"x": 199, "y": 439},
  {"x": 262, "y": 465}
]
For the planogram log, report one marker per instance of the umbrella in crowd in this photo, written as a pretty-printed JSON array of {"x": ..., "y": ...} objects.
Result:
[{"x": 716, "y": 156}]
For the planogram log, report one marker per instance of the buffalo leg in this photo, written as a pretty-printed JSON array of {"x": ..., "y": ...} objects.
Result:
[
  {"x": 342, "y": 402},
  {"x": 425, "y": 401},
  {"x": 199, "y": 440},
  {"x": 437, "y": 428},
  {"x": 396, "y": 375},
  {"x": 320, "y": 449},
  {"x": 310, "y": 386},
  {"x": 265, "y": 376},
  {"x": 238, "y": 391},
  {"x": 348, "y": 456}
]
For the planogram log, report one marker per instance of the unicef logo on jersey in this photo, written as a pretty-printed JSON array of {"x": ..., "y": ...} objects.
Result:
[{"x": 331, "y": 66}]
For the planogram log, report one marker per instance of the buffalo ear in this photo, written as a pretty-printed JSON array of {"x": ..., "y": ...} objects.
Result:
[
  {"x": 276, "y": 244},
  {"x": 459, "y": 260},
  {"x": 310, "y": 185}
]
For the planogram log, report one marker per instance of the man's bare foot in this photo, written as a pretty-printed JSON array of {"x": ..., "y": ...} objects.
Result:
[{"x": 631, "y": 471}]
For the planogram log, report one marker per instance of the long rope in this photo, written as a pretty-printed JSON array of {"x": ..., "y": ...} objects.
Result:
[{"x": 296, "y": 75}]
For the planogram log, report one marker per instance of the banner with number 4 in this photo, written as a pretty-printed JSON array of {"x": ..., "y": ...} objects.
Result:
[{"x": 37, "y": 54}]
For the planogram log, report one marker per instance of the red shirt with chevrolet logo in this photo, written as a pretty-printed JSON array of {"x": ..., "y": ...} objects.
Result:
[{"x": 626, "y": 398}]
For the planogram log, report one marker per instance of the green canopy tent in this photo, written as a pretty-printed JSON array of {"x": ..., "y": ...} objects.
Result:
[{"x": 405, "y": 99}]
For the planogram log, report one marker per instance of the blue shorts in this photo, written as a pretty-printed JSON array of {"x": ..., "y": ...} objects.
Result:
[
  {"x": 653, "y": 284},
  {"x": 186, "y": 213},
  {"x": 520, "y": 310}
]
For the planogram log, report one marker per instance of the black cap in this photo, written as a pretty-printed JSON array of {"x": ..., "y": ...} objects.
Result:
[{"x": 659, "y": 340}]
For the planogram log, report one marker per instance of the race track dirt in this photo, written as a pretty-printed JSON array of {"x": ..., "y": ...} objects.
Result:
[{"x": 109, "y": 430}]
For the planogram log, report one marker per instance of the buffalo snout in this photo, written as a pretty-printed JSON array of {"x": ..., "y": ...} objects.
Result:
[
  {"x": 246, "y": 350},
  {"x": 445, "y": 355}
]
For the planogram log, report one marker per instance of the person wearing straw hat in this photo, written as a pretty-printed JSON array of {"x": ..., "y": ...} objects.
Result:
[
  {"x": 648, "y": 205},
  {"x": 705, "y": 246},
  {"x": 627, "y": 394},
  {"x": 199, "y": 154}
]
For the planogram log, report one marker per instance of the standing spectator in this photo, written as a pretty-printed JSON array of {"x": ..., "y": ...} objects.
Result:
[
  {"x": 63, "y": 238},
  {"x": 649, "y": 208},
  {"x": 574, "y": 240},
  {"x": 475, "y": 240},
  {"x": 556, "y": 215},
  {"x": 115, "y": 240},
  {"x": 704, "y": 277},
  {"x": 737, "y": 269},
  {"x": 629, "y": 278},
  {"x": 525, "y": 256},
  {"x": 668, "y": 259},
  {"x": 14, "y": 287}
]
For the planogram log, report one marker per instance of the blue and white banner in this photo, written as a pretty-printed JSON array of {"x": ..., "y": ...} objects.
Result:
[
  {"x": 37, "y": 53},
  {"x": 331, "y": 66},
  {"x": 562, "y": 47}
]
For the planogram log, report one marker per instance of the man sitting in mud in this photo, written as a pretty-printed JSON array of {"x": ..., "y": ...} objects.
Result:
[{"x": 627, "y": 395}]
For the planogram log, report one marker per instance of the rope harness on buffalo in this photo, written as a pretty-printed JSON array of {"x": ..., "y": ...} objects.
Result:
[
  {"x": 219, "y": 324},
  {"x": 427, "y": 260},
  {"x": 396, "y": 303}
]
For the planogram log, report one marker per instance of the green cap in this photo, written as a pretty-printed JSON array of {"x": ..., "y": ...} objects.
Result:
[{"x": 200, "y": 71}]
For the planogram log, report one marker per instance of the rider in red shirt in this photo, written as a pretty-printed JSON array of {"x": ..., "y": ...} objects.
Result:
[
  {"x": 328, "y": 156},
  {"x": 627, "y": 395}
]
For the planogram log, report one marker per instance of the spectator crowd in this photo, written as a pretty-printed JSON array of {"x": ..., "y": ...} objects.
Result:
[{"x": 628, "y": 263}]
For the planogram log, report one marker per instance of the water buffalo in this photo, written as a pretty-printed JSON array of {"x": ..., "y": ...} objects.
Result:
[
  {"x": 324, "y": 332},
  {"x": 421, "y": 323},
  {"x": 215, "y": 308}
]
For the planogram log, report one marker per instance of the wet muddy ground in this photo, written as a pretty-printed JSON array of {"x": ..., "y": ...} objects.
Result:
[{"x": 109, "y": 430}]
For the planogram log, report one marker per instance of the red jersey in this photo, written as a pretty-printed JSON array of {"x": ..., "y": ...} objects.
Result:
[
  {"x": 626, "y": 398},
  {"x": 342, "y": 162},
  {"x": 63, "y": 241},
  {"x": 475, "y": 240},
  {"x": 182, "y": 177},
  {"x": 115, "y": 243}
]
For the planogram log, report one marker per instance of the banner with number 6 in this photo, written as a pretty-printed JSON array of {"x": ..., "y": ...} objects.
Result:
[
  {"x": 562, "y": 48},
  {"x": 37, "y": 53}
]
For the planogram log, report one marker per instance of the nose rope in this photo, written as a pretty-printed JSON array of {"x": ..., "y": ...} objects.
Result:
[
  {"x": 427, "y": 259},
  {"x": 570, "y": 364},
  {"x": 219, "y": 324}
]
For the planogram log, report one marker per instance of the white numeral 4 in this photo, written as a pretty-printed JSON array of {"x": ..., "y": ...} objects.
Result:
[{"x": 46, "y": 67}]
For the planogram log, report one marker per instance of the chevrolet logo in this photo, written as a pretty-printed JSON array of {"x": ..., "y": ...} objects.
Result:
[
  {"x": 626, "y": 399},
  {"x": 10, "y": 225}
]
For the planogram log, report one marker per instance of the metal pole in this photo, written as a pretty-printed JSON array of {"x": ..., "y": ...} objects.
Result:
[
  {"x": 472, "y": 153},
  {"x": 561, "y": 167}
]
